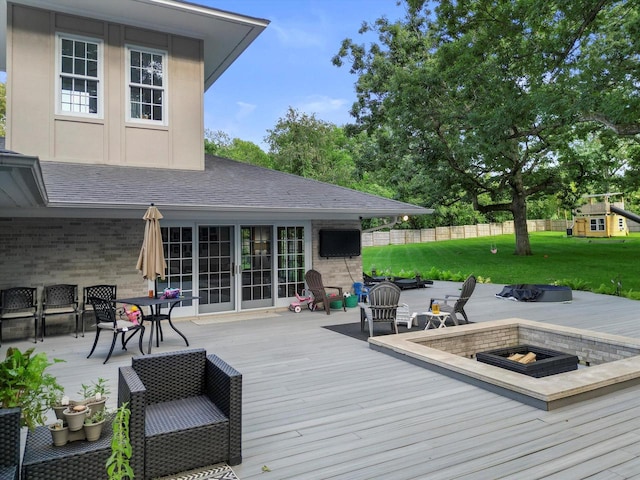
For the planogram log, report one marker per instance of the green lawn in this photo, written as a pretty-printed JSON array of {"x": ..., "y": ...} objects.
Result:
[{"x": 581, "y": 263}]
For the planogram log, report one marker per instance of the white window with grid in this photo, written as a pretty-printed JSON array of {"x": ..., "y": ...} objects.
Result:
[
  {"x": 147, "y": 85},
  {"x": 79, "y": 79},
  {"x": 597, "y": 225}
]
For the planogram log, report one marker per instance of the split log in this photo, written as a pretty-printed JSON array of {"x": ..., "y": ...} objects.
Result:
[
  {"x": 515, "y": 356},
  {"x": 528, "y": 358}
]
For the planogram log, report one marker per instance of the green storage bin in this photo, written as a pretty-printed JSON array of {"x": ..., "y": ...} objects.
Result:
[{"x": 351, "y": 301}]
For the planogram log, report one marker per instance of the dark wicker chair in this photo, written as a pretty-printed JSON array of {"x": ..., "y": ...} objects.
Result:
[
  {"x": 59, "y": 300},
  {"x": 320, "y": 294},
  {"x": 9, "y": 443},
  {"x": 459, "y": 301},
  {"x": 186, "y": 412},
  {"x": 19, "y": 303},
  {"x": 382, "y": 306},
  {"x": 108, "y": 319},
  {"x": 106, "y": 292}
]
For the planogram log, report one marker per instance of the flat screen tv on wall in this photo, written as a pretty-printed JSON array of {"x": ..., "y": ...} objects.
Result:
[{"x": 340, "y": 243}]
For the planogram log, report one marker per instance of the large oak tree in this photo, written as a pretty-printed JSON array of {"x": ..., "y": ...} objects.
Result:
[{"x": 486, "y": 94}]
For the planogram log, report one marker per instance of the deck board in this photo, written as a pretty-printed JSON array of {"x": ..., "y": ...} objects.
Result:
[{"x": 320, "y": 405}]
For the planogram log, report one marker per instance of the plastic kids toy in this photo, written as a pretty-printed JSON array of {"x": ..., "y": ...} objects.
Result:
[{"x": 303, "y": 299}]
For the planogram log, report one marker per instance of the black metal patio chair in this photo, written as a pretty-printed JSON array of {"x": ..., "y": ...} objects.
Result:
[
  {"x": 106, "y": 292},
  {"x": 59, "y": 299},
  {"x": 19, "y": 303},
  {"x": 108, "y": 319}
]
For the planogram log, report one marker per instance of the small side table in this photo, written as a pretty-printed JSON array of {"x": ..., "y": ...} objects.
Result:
[
  {"x": 432, "y": 318},
  {"x": 73, "y": 461}
]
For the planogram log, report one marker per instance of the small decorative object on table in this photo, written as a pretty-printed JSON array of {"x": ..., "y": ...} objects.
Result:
[{"x": 171, "y": 293}]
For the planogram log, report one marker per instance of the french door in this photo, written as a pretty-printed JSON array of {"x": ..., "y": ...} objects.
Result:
[
  {"x": 256, "y": 266},
  {"x": 234, "y": 267},
  {"x": 216, "y": 269}
]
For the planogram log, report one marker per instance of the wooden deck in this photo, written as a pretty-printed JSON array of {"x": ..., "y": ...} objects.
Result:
[{"x": 321, "y": 405}]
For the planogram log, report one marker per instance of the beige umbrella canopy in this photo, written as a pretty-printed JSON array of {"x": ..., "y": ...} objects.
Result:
[{"x": 151, "y": 260}]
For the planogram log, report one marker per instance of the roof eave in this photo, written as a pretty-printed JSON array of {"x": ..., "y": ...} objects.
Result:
[
  {"x": 225, "y": 34},
  {"x": 21, "y": 182}
]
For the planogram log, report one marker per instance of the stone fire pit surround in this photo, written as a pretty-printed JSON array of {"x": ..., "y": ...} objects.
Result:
[{"x": 613, "y": 361}]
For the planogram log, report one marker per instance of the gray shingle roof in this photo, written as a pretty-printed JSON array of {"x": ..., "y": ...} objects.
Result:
[{"x": 224, "y": 186}]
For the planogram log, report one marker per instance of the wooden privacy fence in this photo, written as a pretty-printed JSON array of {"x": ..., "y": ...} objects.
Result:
[{"x": 401, "y": 237}]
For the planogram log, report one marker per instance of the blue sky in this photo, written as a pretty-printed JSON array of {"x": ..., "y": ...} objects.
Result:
[{"x": 289, "y": 64}]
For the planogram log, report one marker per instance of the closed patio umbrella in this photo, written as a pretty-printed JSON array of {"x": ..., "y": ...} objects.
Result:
[{"x": 151, "y": 260}]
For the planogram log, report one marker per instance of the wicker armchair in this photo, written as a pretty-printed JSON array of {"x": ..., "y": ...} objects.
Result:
[
  {"x": 186, "y": 412},
  {"x": 9, "y": 443}
]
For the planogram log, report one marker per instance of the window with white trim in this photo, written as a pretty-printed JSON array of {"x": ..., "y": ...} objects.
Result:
[
  {"x": 147, "y": 81},
  {"x": 79, "y": 62},
  {"x": 597, "y": 225}
]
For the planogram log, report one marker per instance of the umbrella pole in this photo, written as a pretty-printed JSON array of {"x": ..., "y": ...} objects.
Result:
[{"x": 152, "y": 288}]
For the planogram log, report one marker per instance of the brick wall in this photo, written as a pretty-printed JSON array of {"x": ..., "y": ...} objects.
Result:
[
  {"x": 339, "y": 272},
  {"x": 35, "y": 252},
  {"x": 469, "y": 344}
]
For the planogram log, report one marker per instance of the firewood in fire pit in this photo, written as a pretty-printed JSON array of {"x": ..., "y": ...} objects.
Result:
[
  {"x": 528, "y": 358},
  {"x": 515, "y": 356}
]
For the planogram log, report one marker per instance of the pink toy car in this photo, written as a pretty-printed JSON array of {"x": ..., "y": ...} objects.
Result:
[{"x": 303, "y": 299}]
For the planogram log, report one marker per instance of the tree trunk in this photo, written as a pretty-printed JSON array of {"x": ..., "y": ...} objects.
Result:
[{"x": 519, "y": 210}]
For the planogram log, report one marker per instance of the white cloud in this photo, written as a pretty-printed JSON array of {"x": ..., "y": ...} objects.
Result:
[
  {"x": 322, "y": 104},
  {"x": 245, "y": 110}
]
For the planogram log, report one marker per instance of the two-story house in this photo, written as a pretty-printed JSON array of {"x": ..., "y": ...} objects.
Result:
[{"x": 104, "y": 117}]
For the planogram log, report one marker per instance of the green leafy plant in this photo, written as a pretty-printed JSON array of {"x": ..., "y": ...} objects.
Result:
[
  {"x": 25, "y": 384},
  {"x": 98, "y": 387},
  {"x": 96, "y": 416},
  {"x": 118, "y": 466}
]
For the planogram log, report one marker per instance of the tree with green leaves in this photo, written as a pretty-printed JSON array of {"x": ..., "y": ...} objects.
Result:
[
  {"x": 485, "y": 95},
  {"x": 221, "y": 144},
  {"x": 303, "y": 145}
]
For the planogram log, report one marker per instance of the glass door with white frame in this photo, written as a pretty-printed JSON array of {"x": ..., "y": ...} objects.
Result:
[
  {"x": 256, "y": 266},
  {"x": 216, "y": 269}
]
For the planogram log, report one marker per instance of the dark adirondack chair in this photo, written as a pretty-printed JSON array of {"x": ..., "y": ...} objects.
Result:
[{"x": 320, "y": 294}]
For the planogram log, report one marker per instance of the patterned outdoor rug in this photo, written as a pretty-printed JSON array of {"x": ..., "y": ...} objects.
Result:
[{"x": 220, "y": 471}]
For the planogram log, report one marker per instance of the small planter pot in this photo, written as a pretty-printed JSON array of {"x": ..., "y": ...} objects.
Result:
[
  {"x": 75, "y": 417},
  {"x": 95, "y": 405},
  {"x": 59, "y": 411},
  {"x": 93, "y": 430},
  {"x": 60, "y": 435}
]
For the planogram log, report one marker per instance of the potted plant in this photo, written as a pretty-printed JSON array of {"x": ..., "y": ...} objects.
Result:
[
  {"x": 59, "y": 433},
  {"x": 25, "y": 384},
  {"x": 75, "y": 415},
  {"x": 93, "y": 424},
  {"x": 95, "y": 395}
]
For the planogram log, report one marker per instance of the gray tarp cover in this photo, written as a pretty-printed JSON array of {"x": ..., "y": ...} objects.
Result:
[{"x": 521, "y": 293}]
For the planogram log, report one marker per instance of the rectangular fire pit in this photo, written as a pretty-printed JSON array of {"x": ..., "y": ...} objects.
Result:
[{"x": 548, "y": 362}]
